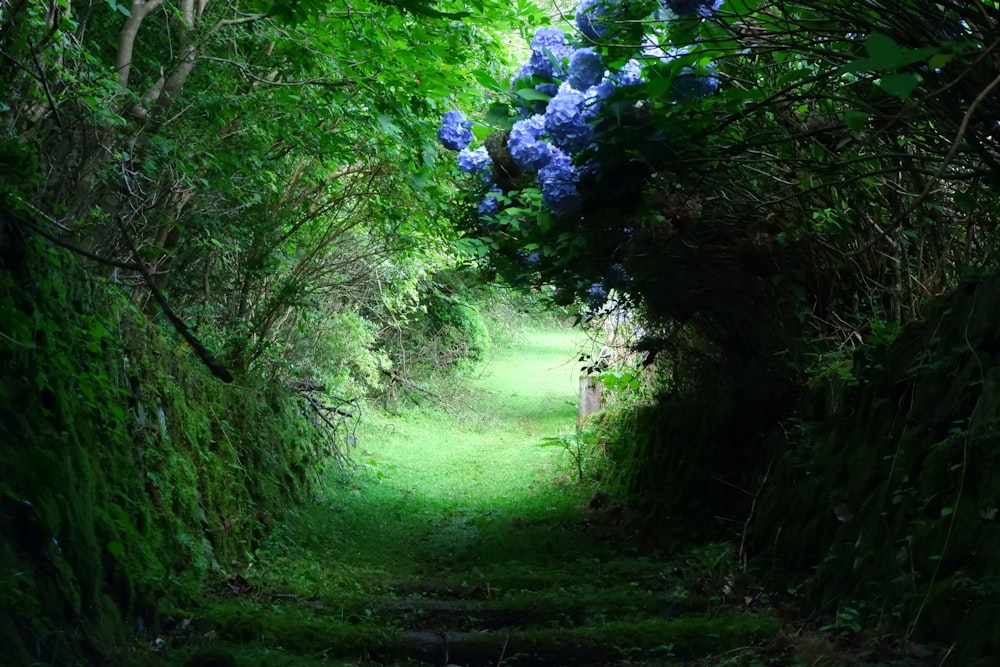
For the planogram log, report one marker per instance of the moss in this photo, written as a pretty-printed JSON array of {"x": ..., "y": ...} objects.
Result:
[
  {"x": 889, "y": 500},
  {"x": 117, "y": 500},
  {"x": 212, "y": 657}
]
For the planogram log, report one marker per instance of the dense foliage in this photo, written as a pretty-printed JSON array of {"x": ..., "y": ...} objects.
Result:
[
  {"x": 770, "y": 187},
  {"x": 266, "y": 190},
  {"x": 269, "y": 170},
  {"x": 799, "y": 159},
  {"x": 245, "y": 188},
  {"x": 131, "y": 477},
  {"x": 749, "y": 133}
]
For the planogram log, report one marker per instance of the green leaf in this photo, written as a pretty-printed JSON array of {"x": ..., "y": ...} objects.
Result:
[
  {"x": 899, "y": 85},
  {"x": 947, "y": 511},
  {"x": 884, "y": 52},
  {"x": 117, "y": 6},
  {"x": 485, "y": 80},
  {"x": 532, "y": 95},
  {"x": 546, "y": 221},
  {"x": 499, "y": 114},
  {"x": 911, "y": 56},
  {"x": 939, "y": 60},
  {"x": 885, "y": 55},
  {"x": 860, "y": 65},
  {"x": 739, "y": 8},
  {"x": 389, "y": 127},
  {"x": 964, "y": 201},
  {"x": 855, "y": 120},
  {"x": 116, "y": 549},
  {"x": 658, "y": 87}
]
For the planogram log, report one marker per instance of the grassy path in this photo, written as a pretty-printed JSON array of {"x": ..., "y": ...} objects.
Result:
[{"x": 463, "y": 542}]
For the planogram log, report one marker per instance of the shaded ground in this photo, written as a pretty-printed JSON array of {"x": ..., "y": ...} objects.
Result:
[{"x": 463, "y": 542}]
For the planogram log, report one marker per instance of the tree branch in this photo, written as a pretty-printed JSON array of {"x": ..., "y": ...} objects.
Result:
[
  {"x": 214, "y": 365},
  {"x": 139, "y": 10}
]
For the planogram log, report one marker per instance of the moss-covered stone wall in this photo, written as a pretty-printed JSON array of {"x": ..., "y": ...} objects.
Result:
[
  {"x": 888, "y": 494},
  {"x": 129, "y": 476}
]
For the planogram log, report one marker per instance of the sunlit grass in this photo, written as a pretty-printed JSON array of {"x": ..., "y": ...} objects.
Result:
[
  {"x": 442, "y": 488},
  {"x": 486, "y": 449},
  {"x": 460, "y": 504}
]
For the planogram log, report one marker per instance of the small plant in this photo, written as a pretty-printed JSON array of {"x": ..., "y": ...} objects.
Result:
[
  {"x": 846, "y": 623},
  {"x": 577, "y": 445}
]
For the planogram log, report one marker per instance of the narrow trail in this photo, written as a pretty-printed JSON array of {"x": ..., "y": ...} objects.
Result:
[{"x": 462, "y": 541}]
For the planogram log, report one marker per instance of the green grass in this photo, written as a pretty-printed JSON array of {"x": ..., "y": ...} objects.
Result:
[
  {"x": 460, "y": 520},
  {"x": 440, "y": 491},
  {"x": 460, "y": 524},
  {"x": 486, "y": 448},
  {"x": 437, "y": 485}
]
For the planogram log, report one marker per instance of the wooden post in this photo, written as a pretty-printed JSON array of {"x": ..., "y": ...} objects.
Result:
[{"x": 591, "y": 399}]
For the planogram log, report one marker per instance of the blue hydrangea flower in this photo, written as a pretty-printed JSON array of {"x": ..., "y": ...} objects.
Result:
[
  {"x": 565, "y": 122},
  {"x": 689, "y": 86},
  {"x": 474, "y": 161},
  {"x": 546, "y": 38},
  {"x": 549, "y": 89},
  {"x": 548, "y": 61},
  {"x": 558, "y": 180},
  {"x": 596, "y": 297},
  {"x": 528, "y": 258},
  {"x": 525, "y": 71},
  {"x": 490, "y": 205},
  {"x": 548, "y": 50},
  {"x": 527, "y": 149},
  {"x": 592, "y": 17},
  {"x": 593, "y": 98},
  {"x": 585, "y": 68},
  {"x": 630, "y": 74},
  {"x": 454, "y": 132},
  {"x": 703, "y": 8}
]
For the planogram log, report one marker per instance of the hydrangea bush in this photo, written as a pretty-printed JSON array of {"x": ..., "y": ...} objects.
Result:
[{"x": 579, "y": 93}]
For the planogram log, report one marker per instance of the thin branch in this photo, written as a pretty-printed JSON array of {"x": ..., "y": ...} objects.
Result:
[
  {"x": 214, "y": 365},
  {"x": 246, "y": 19},
  {"x": 325, "y": 83},
  {"x": 936, "y": 176},
  {"x": 45, "y": 85}
]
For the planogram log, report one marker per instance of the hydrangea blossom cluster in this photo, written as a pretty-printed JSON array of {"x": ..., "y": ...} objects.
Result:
[
  {"x": 528, "y": 150},
  {"x": 630, "y": 74},
  {"x": 653, "y": 49},
  {"x": 549, "y": 47},
  {"x": 565, "y": 122},
  {"x": 558, "y": 182},
  {"x": 574, "y": 77},
  {"x": 689, "y": 86},
  {"x": 596, "y": 296},
  {"x": 586, "y": 68},
  {"x": 594, "y": 98},
  {"x": 490, "y": 204},
  {"x": 592, "y": 18},
  {"x": 455, "y": 132},
  {"x": 474, "y": 161}
]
